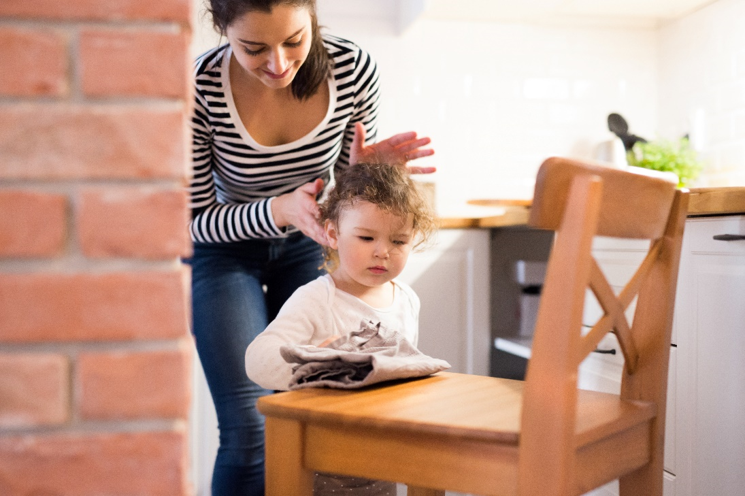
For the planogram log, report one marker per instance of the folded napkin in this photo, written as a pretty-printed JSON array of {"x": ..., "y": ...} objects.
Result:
[{"x": 370, "y": 355}]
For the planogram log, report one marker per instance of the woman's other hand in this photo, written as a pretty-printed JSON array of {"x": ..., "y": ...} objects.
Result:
[
  {"x": 396, "y": 150},
  {"x": 300, "y": 209}
]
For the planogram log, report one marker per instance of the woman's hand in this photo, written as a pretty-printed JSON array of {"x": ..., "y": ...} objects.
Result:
[
  {"x": 300, "y": 209},
  {"x": 396, "y": 150}
]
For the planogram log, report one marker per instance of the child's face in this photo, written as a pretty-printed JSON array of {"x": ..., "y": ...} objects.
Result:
[{"x": 373, "y": 245}]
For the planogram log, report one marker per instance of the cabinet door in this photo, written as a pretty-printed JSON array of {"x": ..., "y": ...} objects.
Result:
[
  {"x": 451, "y": 278},
  {"x": 619, "y": 260},
  {"x": 710, "y": 320}
]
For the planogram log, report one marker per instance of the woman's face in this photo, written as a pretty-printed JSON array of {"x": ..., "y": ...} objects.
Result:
[{"x": 272, "y": 46}]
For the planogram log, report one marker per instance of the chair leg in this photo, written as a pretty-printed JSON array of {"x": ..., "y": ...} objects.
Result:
[
  {"x": 646, "y": 480},
  {"x": 423, "y": 491},
  {"x": 285, "y": 474}
]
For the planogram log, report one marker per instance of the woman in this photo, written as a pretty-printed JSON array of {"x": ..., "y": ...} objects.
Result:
[{"x": 278, "y": 109}]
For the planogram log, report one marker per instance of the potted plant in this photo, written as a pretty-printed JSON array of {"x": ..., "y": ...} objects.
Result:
[{"x": 666, "y": 155}]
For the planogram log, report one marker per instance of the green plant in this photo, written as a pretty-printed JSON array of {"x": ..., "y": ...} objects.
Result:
[{"x": 669, "y": 156}]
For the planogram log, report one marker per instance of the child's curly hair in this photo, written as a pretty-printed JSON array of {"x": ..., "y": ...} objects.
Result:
[{"x": 388, "y": 187}]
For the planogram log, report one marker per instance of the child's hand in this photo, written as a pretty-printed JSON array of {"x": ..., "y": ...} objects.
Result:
[
  {"x": 396, "y": 150},
  {"x": 328, "y": 341}
]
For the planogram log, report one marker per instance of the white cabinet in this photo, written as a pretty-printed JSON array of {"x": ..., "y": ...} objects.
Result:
[
  {"x": 710, "y": 324},
  {"x": 204, "y": 436},
  {"x": 451, "y": 277},
  {"x": 619, "y": 260},
  {"x": 705, "y": 426}
]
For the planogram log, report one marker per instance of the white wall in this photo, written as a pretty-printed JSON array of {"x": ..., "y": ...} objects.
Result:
[
  {"x": 702, "y": 82},
  {"x": 498, "y": 98}
]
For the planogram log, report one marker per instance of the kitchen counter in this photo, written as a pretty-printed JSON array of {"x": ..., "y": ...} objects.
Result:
[
  {"x": 483, "y": 216},
  {"x": 488, "y": 213},
  {"x": 716, "y": 201}
]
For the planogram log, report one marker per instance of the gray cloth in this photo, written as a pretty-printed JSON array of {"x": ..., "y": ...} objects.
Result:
[
  {"x": 339, "y": 485},
  {"x": 370, "y": 355}
]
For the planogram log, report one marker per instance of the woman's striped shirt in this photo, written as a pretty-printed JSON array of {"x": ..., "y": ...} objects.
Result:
[{"x": 235, "y": 179}]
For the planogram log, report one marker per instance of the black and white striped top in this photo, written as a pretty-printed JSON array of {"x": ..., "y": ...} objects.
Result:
[{"x": 235, "y": 179}]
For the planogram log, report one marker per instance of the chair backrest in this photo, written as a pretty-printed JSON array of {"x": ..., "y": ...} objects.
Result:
[{"x": 580, "y": 201}]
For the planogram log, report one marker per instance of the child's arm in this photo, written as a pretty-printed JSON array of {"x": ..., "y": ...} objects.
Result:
[{"x": 304, "y": 319}]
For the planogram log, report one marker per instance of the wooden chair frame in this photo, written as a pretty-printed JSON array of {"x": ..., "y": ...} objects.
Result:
[{"x": 543, "y": 436}]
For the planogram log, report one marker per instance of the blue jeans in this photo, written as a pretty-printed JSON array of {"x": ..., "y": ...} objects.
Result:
[{"x": 230, "y": 308}]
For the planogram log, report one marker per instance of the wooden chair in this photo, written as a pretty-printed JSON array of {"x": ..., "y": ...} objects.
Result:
[{"x": 543, "y": 436}]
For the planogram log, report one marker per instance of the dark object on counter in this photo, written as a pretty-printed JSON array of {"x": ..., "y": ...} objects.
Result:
[{"x": 618, "y": 126}]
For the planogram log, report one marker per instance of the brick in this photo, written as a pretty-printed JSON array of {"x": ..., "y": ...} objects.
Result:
[
  {"x": 39, "y": 141},
  {"x": 164, "y": 10},
  {"x": 94, "y": 464},
  {"x": 34, "y": 62},
  {"x": 32, "y": 224},
  {"x": 134, "y": 385},
  {"x": 133, "y": 222},
  {"x": 134, "y": 63},
  {"x": 34, "y": 390},
  {"x": 59, "y": 307}
]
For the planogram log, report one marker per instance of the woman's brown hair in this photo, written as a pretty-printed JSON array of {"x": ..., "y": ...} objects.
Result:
[
  {"x": 316, "y": 69},
  {"x": 388, "y": 187}
]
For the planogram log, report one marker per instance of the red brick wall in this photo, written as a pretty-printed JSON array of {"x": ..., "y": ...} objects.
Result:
[{"x": 95, "y": 352}]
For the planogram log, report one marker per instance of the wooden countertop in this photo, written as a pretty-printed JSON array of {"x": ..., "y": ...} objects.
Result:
[
  {"x": 490, "y": 213},
  {"x": 487, "y": 213},
  {"x": 717, "y": 201},
  {"x": 512, "y": 216}
]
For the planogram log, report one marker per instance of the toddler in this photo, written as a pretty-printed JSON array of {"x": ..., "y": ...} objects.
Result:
[{"x": 373, "y": 217}]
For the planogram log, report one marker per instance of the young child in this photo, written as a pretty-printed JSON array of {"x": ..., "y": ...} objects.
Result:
[{"x": 373, "y": 218}]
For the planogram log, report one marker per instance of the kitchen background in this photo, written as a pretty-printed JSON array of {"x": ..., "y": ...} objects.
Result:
[
  {"x": 500, "y": 85},
  {"x": 94, "y": 341}
]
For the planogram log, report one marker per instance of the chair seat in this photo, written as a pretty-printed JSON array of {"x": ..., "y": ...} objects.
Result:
[
  {"x": 478, "y": 407},
  {"x": 474, "y": 411}
]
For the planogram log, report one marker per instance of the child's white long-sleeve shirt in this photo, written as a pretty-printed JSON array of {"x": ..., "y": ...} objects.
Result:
[{"x": 316, "y": 312}]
